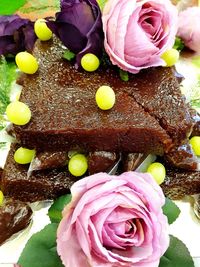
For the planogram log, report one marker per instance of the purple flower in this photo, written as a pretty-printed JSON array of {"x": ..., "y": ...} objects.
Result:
[
  {"x": 79, "y": 27},
  {"x": 16, "y": 34},
  {"x": 189, "y": 29},
  {"x": 114, "y": 221}
]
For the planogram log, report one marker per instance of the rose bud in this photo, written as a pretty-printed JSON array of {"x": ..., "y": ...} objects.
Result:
[
  {"x": 189, "y": 29},
  {"x": 79, "y": 27},
  {"x": 138, "y": 32},
  {"x": 114, "y": 221},
  {"x": 16, "y": 35}
]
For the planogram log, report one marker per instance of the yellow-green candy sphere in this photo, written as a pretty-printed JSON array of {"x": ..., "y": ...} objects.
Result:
[
  {"x": 78, "y": 165},
  {"x": 157, "y": 170},
  {"x": 18, "y": 113},
  {"x": 195, "y": 143},
  {"x": 24, "y": 155},
  {"x": 90, "y": 62},
  {"x": 42, "y": 31},
  {"x": 26, "y": 62},
  {"x": 1, "y": 197},
  {"x": 170, "y": 57},
  {"x": 105, "y": 97}
]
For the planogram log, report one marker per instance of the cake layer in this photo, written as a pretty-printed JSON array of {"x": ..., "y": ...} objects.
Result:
[
  {"x": 65, "y": 115},
  {"x": 41, "y": 185},
  {"x": 50, "y": 184},
  {"x": 98, "y": 161}
]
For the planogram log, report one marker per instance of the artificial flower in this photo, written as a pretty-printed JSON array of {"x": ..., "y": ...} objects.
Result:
[
  {"x": 114, "y": 221},
  {"x": 79, "y": 27},
  {"x": 189, "y": 29},
  {"x": 138, "y": 32},
  {"x": 16, "y": 34}
]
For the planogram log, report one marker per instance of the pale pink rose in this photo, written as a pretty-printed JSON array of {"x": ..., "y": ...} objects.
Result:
[
  {"x": 114, "y": 221},
  {"x": 189, "y": 28},
  {"x": 138, "y": 32}
]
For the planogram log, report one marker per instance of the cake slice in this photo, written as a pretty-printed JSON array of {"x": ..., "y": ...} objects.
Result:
[
  {"x": 41, "y": 185},
  {"x": 149, "y": 112},
  {"x": 66, "y": 117},
  {"x": 51, "y": 183}
]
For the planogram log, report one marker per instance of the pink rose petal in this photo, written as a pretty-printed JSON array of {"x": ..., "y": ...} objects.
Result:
[
  {"x": 114, "y": 221},
  {"x": 138, "y": 32}
]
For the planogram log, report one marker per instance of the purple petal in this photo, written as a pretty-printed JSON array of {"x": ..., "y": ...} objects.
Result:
[
  {"x": 79, "y": 27},
  {"x": 16, "y": 34}
]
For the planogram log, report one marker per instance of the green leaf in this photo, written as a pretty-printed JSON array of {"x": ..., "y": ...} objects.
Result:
[
  {"x": 8, "y": 74},
  {"x": 179, "y": 44},
  {"x": 123, "y": 75},
  {"x": 40, "y": 250},
  {"x": 171, "y": 210},
  {"x": 68, "y": 55},
  {"x": 101, "y": 3},
  {"x": 8, "y": 7},
  {"x": 177, "y": 255},
  {"x": 55, "y": 211}
]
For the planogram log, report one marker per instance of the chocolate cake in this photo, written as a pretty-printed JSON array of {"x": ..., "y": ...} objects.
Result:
[
  {"x": 58, "y": 105},
  {"x": 41, "y": 185},
  {"x": 179, "y": 183},
  {"x": 14, "y": 217},
  {"x": 183, "y": 157},
  {"x": 150, "y": 116},
  {"x": 48, "y": 160},
  {"x": 98, "y": 161},
  {"x": 101, "y": 161},
  {"x": 51, "y": 183}
]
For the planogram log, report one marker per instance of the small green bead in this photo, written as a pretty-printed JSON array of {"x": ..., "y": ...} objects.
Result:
[
  {"x": 24, "y": 155},
  {"x": 1, "y": 197},
  {"x": 195, "y": 143},
  {"x": 90, "y": 62},
  {"x": 157, "y": 170},
  {"x": 78, "y": 165},
  {"x": 170, "y": 57},
  {"x": 26, "y": 62},
  {"x": 42, "y": 31},
  {"x": 105, "y": 97},
  {"x": 18, "y": 113}
]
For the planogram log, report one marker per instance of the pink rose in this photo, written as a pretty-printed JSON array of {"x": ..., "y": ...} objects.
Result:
[
  {"x": 138, "y": 32},
  {"x": 114, "y": 221},
  {"x": 189, "y": 28}
]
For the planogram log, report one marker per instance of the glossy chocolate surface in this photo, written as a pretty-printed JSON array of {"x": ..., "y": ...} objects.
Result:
[
  {"x": 41, "y": 185},
  {"x": 179, "y": 183},
  {"x": 149, "y": 110},
  {"x": 49, "y": 160},
  {"x": 14, "y": 217},
  {"x": 101, "y": 161},
  {"x": 182, "y": 157}
]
